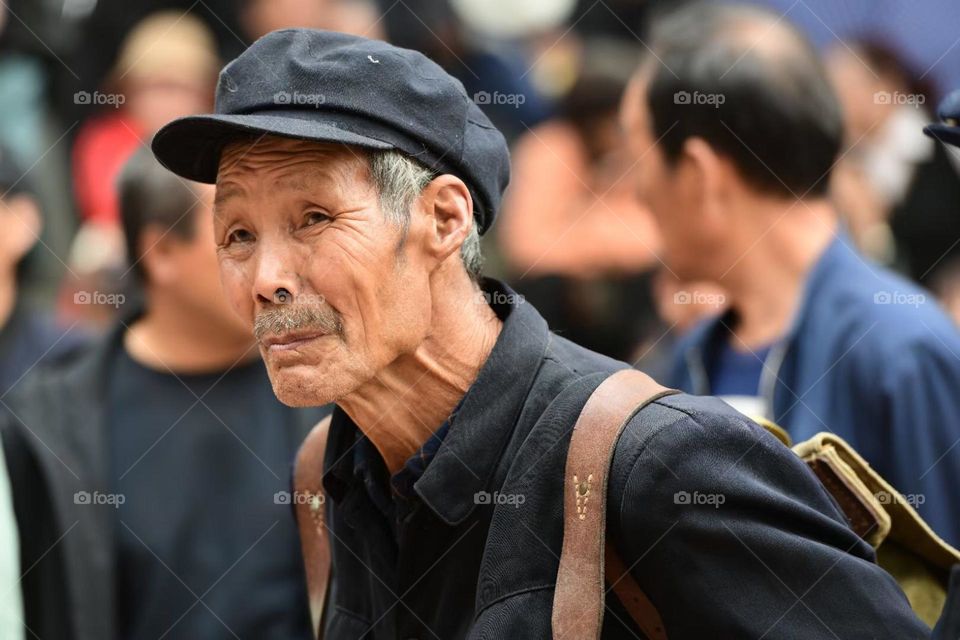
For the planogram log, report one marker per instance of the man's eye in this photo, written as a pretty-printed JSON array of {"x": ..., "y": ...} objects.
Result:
[
  {"x": 239, "y": 235},
  {"x": 315, "y": 217}
]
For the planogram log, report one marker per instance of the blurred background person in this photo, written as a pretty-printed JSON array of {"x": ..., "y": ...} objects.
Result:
[
  {"x": 150, "y": 475},
  {"x": 581, "y": 247},
  {"x": 166, "y": 68},
  {"x": 29, "y": 336},
  {"x": 898, "y": 191},
  {"x": 32, "y": 135},
  {"x": 736, "y": 129},
  {"x": 359, "y": 17},
  {"x": 945, "y": 284},
  {"x": 11, "y": 601}
]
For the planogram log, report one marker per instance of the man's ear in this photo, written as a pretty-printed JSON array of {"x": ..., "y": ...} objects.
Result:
[
  {"x": 705, "y": 172},
  {"x": 22, "y": 224},
  {"x": 448, "y": 210},
  {"x": 704, "y": 160}
]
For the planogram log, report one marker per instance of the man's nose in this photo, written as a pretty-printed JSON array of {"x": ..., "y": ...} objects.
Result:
[{"x": 276, "y": 279}]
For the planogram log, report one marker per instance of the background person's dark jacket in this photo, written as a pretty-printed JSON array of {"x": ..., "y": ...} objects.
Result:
[
  {"x": 55, "y": 443},
  {"x": 871, "y": 357},
  {"x": 775, "y": 559}
]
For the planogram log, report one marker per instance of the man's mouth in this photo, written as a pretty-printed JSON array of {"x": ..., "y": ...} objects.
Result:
[{"x": 289, "y": 341}]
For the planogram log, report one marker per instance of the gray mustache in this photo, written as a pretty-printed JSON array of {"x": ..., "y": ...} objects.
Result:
[{"x": 284, "y": 319}]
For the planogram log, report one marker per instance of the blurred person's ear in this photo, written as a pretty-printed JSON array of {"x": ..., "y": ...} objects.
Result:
[
  {"x": 160, "y": 252},
  {"x": 22, "y": 223},
  {"x": 703, "y": 175}
]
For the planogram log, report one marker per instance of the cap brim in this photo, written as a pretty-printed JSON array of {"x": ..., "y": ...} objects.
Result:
[
  {"x": 191, "y": 146},
  {"x": 944, "y": 133}
]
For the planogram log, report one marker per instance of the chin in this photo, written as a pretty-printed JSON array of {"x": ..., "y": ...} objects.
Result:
[{"x": 304, "y": 386}]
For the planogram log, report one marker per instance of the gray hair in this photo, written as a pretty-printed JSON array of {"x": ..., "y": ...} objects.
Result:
[{"x": 399, "y": 179}]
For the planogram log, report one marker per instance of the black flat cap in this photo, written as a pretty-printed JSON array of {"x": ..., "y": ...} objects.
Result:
[
  {"x": 333, "y": 87},
  {"x": 949, "y": 112}
]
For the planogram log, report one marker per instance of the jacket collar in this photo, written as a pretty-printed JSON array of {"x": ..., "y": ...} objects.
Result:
[{"x": 478, "y": 433}]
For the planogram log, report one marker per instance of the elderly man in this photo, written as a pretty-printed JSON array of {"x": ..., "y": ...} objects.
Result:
[{"x": 353, "y": 181}]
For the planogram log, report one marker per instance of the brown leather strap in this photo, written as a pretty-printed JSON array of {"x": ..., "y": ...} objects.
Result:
[
  {"x": 578, "y": 601},
  {"x": 309, "y": 502},
  {"x": 634, "y": 600}
]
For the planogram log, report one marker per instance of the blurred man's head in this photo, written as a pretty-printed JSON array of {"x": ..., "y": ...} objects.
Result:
[
  {"x": 874, "y": 82},
  {"x": 333, "y": 254},
  {"x": 731, "y": 112},
  {"x": 168, "y": 230},
  {"x": 167, "y": 68},
  {"x": 359, "y": 17}
]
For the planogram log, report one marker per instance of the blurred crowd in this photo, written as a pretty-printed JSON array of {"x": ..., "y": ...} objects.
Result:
[{"x": 93, "y": 230}]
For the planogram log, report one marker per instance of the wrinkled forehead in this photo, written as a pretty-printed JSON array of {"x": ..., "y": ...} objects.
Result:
[
  {"x": 279, "y": 164},
  {"x": 269, "y": 153}
]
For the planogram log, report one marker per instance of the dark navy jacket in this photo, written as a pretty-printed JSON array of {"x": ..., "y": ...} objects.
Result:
[
  {"x": 725, "y": 529},
  {"x": 872, "y": 358}
]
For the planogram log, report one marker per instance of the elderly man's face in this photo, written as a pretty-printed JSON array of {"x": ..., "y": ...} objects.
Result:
[{"x": 333, "y": 289}]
